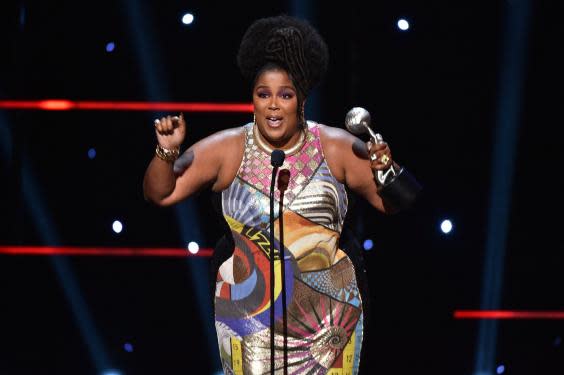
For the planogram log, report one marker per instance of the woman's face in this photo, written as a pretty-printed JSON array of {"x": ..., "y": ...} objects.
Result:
[{"x": 276, "y": 108}]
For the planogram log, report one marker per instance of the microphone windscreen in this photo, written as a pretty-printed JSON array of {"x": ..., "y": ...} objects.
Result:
[
  {"x": 283, "y": 179},
  {"x": 277, "y": 158}
]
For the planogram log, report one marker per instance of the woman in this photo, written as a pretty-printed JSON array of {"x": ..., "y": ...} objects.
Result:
[{"x": 283, "y": 58}]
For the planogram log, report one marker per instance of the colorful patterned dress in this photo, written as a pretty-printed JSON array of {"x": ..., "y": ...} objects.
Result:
[{"x": 324, "y": 309}]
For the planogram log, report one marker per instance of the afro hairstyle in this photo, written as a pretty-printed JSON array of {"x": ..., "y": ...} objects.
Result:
[{"x": 286, "y": 42}]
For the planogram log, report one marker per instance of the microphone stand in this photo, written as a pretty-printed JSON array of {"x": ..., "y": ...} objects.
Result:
[
  {"x": 274, "y": 170},
  {"x": 276, "y": 160},
  {"x": 283, "y": 179}
]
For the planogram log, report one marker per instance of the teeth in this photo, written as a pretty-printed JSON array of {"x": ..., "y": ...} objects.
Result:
[{"x": 274, "y": 121}]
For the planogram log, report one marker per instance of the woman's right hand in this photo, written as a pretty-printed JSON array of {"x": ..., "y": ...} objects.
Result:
[{"x": 170, "y": 131}]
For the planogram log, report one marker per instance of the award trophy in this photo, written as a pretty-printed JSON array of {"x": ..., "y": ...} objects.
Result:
[{"x": 395, "y": 185}]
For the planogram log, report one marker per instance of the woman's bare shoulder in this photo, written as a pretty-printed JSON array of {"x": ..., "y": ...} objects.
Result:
[
  {"x": 212, "y": 151},
  {"x": 332, "y": 136},
  {"x": 226, "y": 137},
  {"x": 228, "y": 147}
]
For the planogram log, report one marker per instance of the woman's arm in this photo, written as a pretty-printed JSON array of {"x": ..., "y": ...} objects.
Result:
[
  {"x": 212, "y": 161},
  {"x": 349, "y": 160}
]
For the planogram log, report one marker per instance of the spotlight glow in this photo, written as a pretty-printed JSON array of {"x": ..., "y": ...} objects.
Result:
[
  {"x": 446, "y": 226},
  {"x": 110, "y": 47},
  {"x": 500, "y": 369},
  {"x": 128, "y": 347},
  {"x": 368, "y": 244},
  {"x": 193, "y": 247},
  {"x": 91, "y": 153},
  {"x": 117, "y": 226},
  {"x": 403, "y": 25},
  {"x": 188, "y": 18},
  {"x": 111, "y": 372}
]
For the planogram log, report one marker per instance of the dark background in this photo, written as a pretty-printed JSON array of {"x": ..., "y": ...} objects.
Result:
[{"x": 433, "y": 92}]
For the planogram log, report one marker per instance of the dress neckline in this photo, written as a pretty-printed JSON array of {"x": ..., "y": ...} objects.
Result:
[{"x": 261, "y": 143}]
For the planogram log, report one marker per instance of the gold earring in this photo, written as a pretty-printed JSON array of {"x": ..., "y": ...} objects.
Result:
[{"x": 254, "y": 119}]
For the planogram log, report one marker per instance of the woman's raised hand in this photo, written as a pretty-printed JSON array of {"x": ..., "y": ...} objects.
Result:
[
  {"x": 170, "y": 131},
  {"x": 380, "y": 155}
]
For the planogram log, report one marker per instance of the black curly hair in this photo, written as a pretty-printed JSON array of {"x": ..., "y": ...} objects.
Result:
[{"x": 284, "y": 42}]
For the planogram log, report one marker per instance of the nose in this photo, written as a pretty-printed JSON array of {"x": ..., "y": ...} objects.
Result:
[{"x": 273, "y": 105}]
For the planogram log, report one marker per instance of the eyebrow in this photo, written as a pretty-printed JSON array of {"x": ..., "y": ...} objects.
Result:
[{"x": 282, "y": 87}]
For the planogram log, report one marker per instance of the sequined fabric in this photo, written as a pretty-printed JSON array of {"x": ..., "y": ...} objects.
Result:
[{"x": 324, "y": 308}]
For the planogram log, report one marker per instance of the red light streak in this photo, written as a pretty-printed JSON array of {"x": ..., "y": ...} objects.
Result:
[
  {"x": 207, "y": 252},
  {"x": 55, "y": 105},
  {"x": 506, "y": 314},
  {"x": 103, "y": 251},
  {"x": 66, "y": 105}
]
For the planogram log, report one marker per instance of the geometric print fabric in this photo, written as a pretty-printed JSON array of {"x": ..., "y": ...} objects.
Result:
[{"x": 323, "y": 301}]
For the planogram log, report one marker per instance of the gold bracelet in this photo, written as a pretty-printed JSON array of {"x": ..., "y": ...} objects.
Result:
[{"x": 166, "y": 154}]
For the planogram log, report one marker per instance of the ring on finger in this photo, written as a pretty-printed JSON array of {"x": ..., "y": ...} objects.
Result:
[
  {"x": 157, "y": 121},
  {"x": 384, "y": 159},
  {"x": 373, "y": 157}
]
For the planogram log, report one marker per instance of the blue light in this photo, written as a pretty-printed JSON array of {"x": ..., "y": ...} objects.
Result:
[
  {"x": 110, "y": 47},
  {"x": 500, "y": 369},
  {"x": 403, "y": 25},
  {"x": 22, "y": 16},
  {"x": 91, "y": 153},
  {"x": 446, "y": 226},
  {"x": 557, "y": 341},
  {"x": 188, "y": 18},
  {"x": 368, "y": 244},
  {"x": 111, "y": 372},
  {"x": 128, "y": 347}
]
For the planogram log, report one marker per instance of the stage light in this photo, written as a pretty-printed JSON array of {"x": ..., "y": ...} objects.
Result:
[
  {"x": 108, "y": 251},
  {"x": 368, "y": 244},
  {"x": 110, "y": 47},
  {"x": 111, "y": 372},
  {"x": 193, "y": 247},
  {"x": 128, "y": 347},
  {"x": 67, "y": 105},
  {"x": 403, "y": 25},
  {"x": 188, "y": 18},
  {"x": 446, "y": 226},
  {"x": 500, "y": 369},
  {"x": 91, "y": 153},
  {"x": 22, "y": 15},
  {"x": 117, "y": 226},
  {"x": 55, "y": 105}
]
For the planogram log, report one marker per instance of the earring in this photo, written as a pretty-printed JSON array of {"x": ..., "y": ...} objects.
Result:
[
  {"x": 302, "y": 118},
  {"x": 254, "y": 119}
]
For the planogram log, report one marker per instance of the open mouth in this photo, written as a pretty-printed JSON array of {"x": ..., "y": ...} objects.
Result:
[{"x": 274, "y": 121}]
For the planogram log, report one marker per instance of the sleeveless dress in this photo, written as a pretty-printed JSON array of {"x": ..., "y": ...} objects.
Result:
[{"x": 324, "y": 307}]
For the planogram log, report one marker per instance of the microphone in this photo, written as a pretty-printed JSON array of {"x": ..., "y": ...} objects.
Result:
[
  {"x": 276, "y": 160},
  {"x": 398, "y": 188},
  {"x": 283, "y": 181}
]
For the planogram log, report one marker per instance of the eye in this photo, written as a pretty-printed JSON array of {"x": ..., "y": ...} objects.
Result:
[
  {"x": 263, "y": 94},
  {"x": 287, "y": 95}
]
